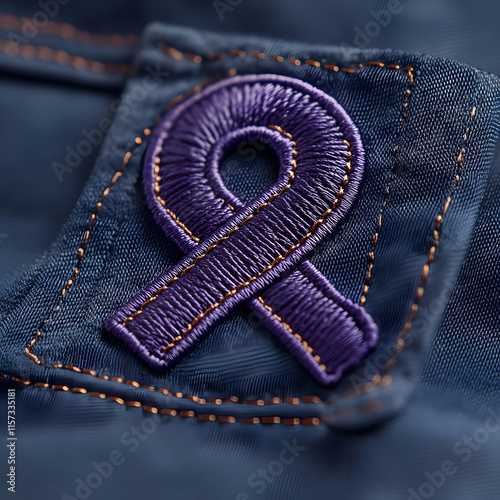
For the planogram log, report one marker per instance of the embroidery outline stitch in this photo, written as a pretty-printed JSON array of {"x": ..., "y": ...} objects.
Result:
[
  {"x": 357, "y": 337},
  {"x": 376, "y": 379}
]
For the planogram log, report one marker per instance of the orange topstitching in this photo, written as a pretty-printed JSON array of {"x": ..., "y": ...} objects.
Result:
[
  {"x": 377, "y": 380},
  {"x": 67, "y": 31},
  {"x": 26, "y": 51}
]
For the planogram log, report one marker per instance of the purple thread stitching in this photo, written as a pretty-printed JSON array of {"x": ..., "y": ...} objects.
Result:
[
  {"x": 335, "y": 317},
  {"x": 207, "y": 186}
]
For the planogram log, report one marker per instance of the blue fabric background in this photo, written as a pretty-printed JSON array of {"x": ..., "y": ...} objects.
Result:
[{"x": 422, "y": 416}]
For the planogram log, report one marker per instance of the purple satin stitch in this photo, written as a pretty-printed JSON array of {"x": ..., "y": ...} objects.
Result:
[{"x": 252, "y": 253}]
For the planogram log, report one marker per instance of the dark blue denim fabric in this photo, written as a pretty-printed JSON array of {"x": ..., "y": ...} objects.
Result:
[
  {"x": 464, "y": 30},
  {"x": 413, "y": 126}
]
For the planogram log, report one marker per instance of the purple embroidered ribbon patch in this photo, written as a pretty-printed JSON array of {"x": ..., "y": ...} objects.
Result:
[{"x": 254, "y": 253}]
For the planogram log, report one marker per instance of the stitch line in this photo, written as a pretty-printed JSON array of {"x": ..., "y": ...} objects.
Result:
[
  {"x": 291, "y": 178},
  {"x": 163, "y": 202},
  {"x": 400, "y": 343},
  {"x": 365, "y": 409},
  {"x": 81, "y": 250},
  {"x": 371, "y": 254},
  {"x": 178, "y": 222},
  {"x": 66, "y": 31},
  {"x": 202, "y": 417},
  {"x": 196, "y": 399},
  {"x": 289, "y": 329},
  {"x": 278, "y": 259},
  {"x": 26, "y": 51},
  {"x": 178, "y": 55}
]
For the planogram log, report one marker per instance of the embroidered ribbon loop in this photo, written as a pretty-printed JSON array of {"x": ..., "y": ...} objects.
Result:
[{"x": 252, "y": 253}]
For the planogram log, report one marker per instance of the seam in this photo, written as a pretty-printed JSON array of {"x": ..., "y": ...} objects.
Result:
[
  {"x": 278, "y": 259},
  {"x": 386, "y": 379},
  {"x": 139, "y": 311},
  {"x": 81, "y": 249},
  {"x": 66, "y": 31},
  {"x": 289, "y": 329},
  {"x": 371, "y": 254},
  {"x": 365, "y": 409},
  {"x": 202, "y": 401},
  {"x": 198, "y": 59},
  {"x": 26, "y": 51},
  {"x": 273, "y": 400}
]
